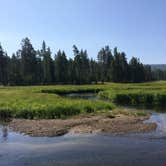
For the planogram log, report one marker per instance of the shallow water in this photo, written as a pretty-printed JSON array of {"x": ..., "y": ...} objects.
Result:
[
  {"x": 88, "y": 96},
  {"x": 115, "y": 150}
]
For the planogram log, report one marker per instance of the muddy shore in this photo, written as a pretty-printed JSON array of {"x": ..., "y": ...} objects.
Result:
[{"x": 120, "y": 124}]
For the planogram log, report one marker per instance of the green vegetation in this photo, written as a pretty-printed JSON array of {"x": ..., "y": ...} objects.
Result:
[
  {"x": 145, "y": 94},
  {"x": 37, "y": 102},
  {"x": 73, "y": 89},
  {"x": 31, "y": 103},
  {"x": 40, "y": 67}
]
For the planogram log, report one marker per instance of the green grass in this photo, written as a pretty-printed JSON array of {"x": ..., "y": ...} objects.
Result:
[
  {"x": 32, "y": 103},
  {"x": 46, "y": 102},
  {"x": 145, "y": 94}
]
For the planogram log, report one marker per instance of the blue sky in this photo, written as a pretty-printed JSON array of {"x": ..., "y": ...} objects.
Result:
[{"x": 137, "y": 27}]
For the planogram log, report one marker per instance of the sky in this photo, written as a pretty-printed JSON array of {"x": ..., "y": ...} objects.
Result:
[{"x": 137, "y": 27}]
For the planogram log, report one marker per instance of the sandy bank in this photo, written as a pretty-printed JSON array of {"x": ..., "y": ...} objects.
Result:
[{"x": 83, "y": 124}]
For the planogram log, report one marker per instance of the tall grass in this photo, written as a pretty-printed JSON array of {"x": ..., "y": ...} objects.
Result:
[
  {"x": 30, "y": 103},
  {"x": 145, "y": 94},
  {"x": 44, "y": 102}
]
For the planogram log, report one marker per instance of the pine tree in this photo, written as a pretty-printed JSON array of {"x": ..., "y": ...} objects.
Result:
[
  {"x": 81, "y": 65},
  {"x": 105, "y": 60},
  {"x": 61, "y": 67},
  {"x": 15, "y": 70},
  {"x": 4, "y": 61},
  {"x": 136, "y": 70},
  {"x": 28, "y": 62},
  {"x": 47, "y": 64}
]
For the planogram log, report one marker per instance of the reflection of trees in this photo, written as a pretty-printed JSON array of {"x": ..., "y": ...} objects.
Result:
[{"x": 4, "y": 133}]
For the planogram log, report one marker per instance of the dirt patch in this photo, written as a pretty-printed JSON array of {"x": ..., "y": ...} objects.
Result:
[{"x": 83, "y": 124}]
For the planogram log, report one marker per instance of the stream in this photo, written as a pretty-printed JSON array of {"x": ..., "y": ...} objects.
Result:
[{"x": 85, "y": 149}]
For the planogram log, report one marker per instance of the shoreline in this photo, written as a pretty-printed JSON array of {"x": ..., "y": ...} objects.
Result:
[{"x": 118, "y": 124}]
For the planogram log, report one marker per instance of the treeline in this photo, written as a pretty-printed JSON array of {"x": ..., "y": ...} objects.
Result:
[
  {"x": 33, "y": 67},
  {"x": 159, "y": 74}
]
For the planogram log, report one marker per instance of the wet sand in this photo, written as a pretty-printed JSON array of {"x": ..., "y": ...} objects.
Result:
[{"x": 120, "y": 124}]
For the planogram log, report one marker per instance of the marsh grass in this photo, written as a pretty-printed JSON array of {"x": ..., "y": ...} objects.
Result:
[
  {"x": 146, "y": 94},
  {"x": 46, "y": 102},
  {"x": 31, "y": 103}
]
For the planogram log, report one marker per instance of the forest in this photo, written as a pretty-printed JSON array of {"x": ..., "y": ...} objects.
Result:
[{"x": 40, "y": 67}]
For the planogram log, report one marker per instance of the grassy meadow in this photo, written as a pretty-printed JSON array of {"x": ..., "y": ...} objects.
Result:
[
  {"x": 46, "y": 102},
  {"x": 35, "y": 102},
  {"x": 151, "y": 94}
]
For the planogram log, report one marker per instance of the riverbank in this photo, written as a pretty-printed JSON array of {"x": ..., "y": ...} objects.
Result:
[{"x": 88, "y": 123}]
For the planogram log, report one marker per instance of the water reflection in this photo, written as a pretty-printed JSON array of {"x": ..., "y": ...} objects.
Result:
[
  {"x": 85, "y": 150},
  {"x": 3, "y": 132},
  {"x": 88, "y": 96},
  {"x": 160, "y": 120}
]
